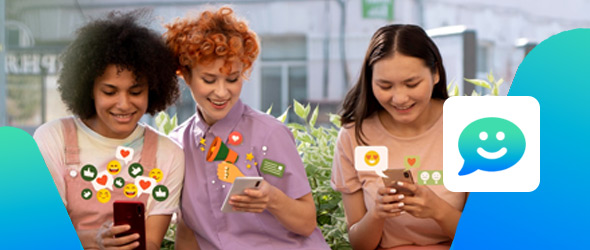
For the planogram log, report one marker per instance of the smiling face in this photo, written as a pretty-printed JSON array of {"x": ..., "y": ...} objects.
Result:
[
  {"x": 215, "y": 92},
  {"x": 491, "y": 144},
  {"x": 120, "y": 101},
  {"x": 114, "y": 167},
  {"x": 130, "y": 190},
  {"x": 403, "y": 86},
  {"x": 103, "y": 195},
  {"x": 372, "y": 158},
  {"x": 156, "y": 174}
]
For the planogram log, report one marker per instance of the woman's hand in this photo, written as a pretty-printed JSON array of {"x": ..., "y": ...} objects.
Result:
[
  {"x": 105, "y": 237},
  {"x": 387, "y": 203},
  {"x": 296, "y": 215},
  {"x": 424, "y": 204},
  {"x": 253, "y": 200}
]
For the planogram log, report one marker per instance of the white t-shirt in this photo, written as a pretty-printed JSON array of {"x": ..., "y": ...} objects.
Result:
[{"x": 98, "y": 150}]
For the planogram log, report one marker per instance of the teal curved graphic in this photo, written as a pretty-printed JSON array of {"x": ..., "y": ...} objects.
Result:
[
  {"x": 555, "y": 215},
  {"x": 32, "y": 213}
]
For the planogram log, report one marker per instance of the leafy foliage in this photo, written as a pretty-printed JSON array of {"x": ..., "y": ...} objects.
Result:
[
  {"x": 491, "y": 83},
  {"x": 316, "y": 147}
]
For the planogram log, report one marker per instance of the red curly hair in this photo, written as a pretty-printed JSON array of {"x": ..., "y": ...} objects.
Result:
[{"x": 213, "y": 35}]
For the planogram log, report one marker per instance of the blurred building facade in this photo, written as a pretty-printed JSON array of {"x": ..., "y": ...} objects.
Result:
[{"x": 312, "y": 50}]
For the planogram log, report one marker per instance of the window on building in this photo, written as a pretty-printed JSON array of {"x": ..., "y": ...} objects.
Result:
[{"x": 283, "y": 71}]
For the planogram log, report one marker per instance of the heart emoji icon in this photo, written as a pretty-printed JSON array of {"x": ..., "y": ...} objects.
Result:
[
  {"x": 102, "y": 180},
  {"x": 124, "y": 153},
  {"x": 234, "y": 138},
  {"x": 411, "y": 161},
  {"x": 144, "y": 184}
]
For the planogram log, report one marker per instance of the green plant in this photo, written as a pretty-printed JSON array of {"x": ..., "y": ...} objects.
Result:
[
  {"x": 316, "y": 147},
  {"x": 491, "y": 83}
]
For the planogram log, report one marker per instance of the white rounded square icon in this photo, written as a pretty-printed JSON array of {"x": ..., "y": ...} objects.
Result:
[{"x": 491, "y": 144}]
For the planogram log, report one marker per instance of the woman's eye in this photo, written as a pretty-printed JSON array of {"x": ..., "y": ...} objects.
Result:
[
  {"x": 232, "y": 80},
  {"x": 108, "y": 93},
  {"x": 208, "y": 80},
  {"x": 412, "y": 85},
  {"x": 385, "y": 87},
  {"x": 136, "y": 92}
]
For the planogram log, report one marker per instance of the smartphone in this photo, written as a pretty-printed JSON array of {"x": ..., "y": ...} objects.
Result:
[
  {"x": 395, "y": 175},
  {"x": 240, "y": 184},
  {"x": 130, "y": 213}
]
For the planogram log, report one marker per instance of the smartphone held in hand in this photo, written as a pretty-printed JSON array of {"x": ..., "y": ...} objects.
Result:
[
  {"x": 131, "y": 213},
  {"x": 395, "y": 175},
  {"x": 240, "y": 184}
]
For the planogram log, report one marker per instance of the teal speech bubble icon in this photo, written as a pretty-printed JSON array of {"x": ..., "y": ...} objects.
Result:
[{"x": 490, "y": 144}]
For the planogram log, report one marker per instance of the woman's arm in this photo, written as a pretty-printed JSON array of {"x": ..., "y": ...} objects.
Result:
[
  {"x": 297, "y": 215},
  {"x": 365, "y": 228},
  {"x": 156, "y": 227},
  {"x": 185, "y": 237}
]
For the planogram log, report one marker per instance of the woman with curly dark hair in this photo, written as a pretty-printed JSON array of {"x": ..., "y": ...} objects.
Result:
[
  {"x": 216, "y": 51},
  {"x": 114, "y": 72}
]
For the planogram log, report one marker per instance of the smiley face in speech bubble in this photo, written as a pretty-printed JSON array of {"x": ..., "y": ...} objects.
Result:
[
  {"x": 371, "y": 158},
  {"x": 490, "y": 144}
]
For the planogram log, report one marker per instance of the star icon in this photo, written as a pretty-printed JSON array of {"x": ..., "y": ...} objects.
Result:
[
  {"x": 249, "y": 156},
  {"x": 203, "y": 141}
]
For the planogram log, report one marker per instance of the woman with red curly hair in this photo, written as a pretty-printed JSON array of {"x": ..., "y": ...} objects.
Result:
[{"x": 216, "y": 52}]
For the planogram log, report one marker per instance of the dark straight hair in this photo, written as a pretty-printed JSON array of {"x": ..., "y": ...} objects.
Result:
[{"x": 409, "y": 40}]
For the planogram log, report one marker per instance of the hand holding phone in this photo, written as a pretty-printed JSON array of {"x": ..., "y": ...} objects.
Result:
[
  {"x": 131, "y": 213},
  {"x": 240, "y": 184},
  {"x": 395, "y": 175}
]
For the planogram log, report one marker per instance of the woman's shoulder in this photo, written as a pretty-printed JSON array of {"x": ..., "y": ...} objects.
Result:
[
  {"x": 49, "y": 130},
  {"x": 369, "y": 125},
  {"x": 178, "y": 134},
  {"x": 166, "y": 145}
]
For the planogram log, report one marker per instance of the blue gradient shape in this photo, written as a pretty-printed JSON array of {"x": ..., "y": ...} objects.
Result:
[
  {"x": 32, "y": 213},
  {"x": 556, "y": 215},
  {"x": 469, "y": 142}
]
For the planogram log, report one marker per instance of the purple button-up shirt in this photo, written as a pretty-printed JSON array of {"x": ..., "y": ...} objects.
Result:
[{"x": 203, "y": 194}]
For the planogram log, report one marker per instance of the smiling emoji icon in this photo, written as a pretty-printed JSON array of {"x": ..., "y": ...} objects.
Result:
[
  {"x": 114, "y": 167},
  {"x": 157, "y": 174},
  {"x": 130, "y": 190},
  {"x": 103, "y": 195},
  {"x": 372, "y": 158}
]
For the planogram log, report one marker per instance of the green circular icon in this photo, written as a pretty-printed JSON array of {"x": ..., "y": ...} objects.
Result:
[
  {"x": 135, "y": 170},
  {"x": 119, "y": 182},
  {"x": 160, "y": 193},
  {"x": 88, "y": 172},
  {"x": 86, "y": 194}
]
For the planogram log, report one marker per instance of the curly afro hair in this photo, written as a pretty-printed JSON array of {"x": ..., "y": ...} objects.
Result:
[
  {"x": 213, "y": 35},
  {"x": 118, "y": 40}
]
